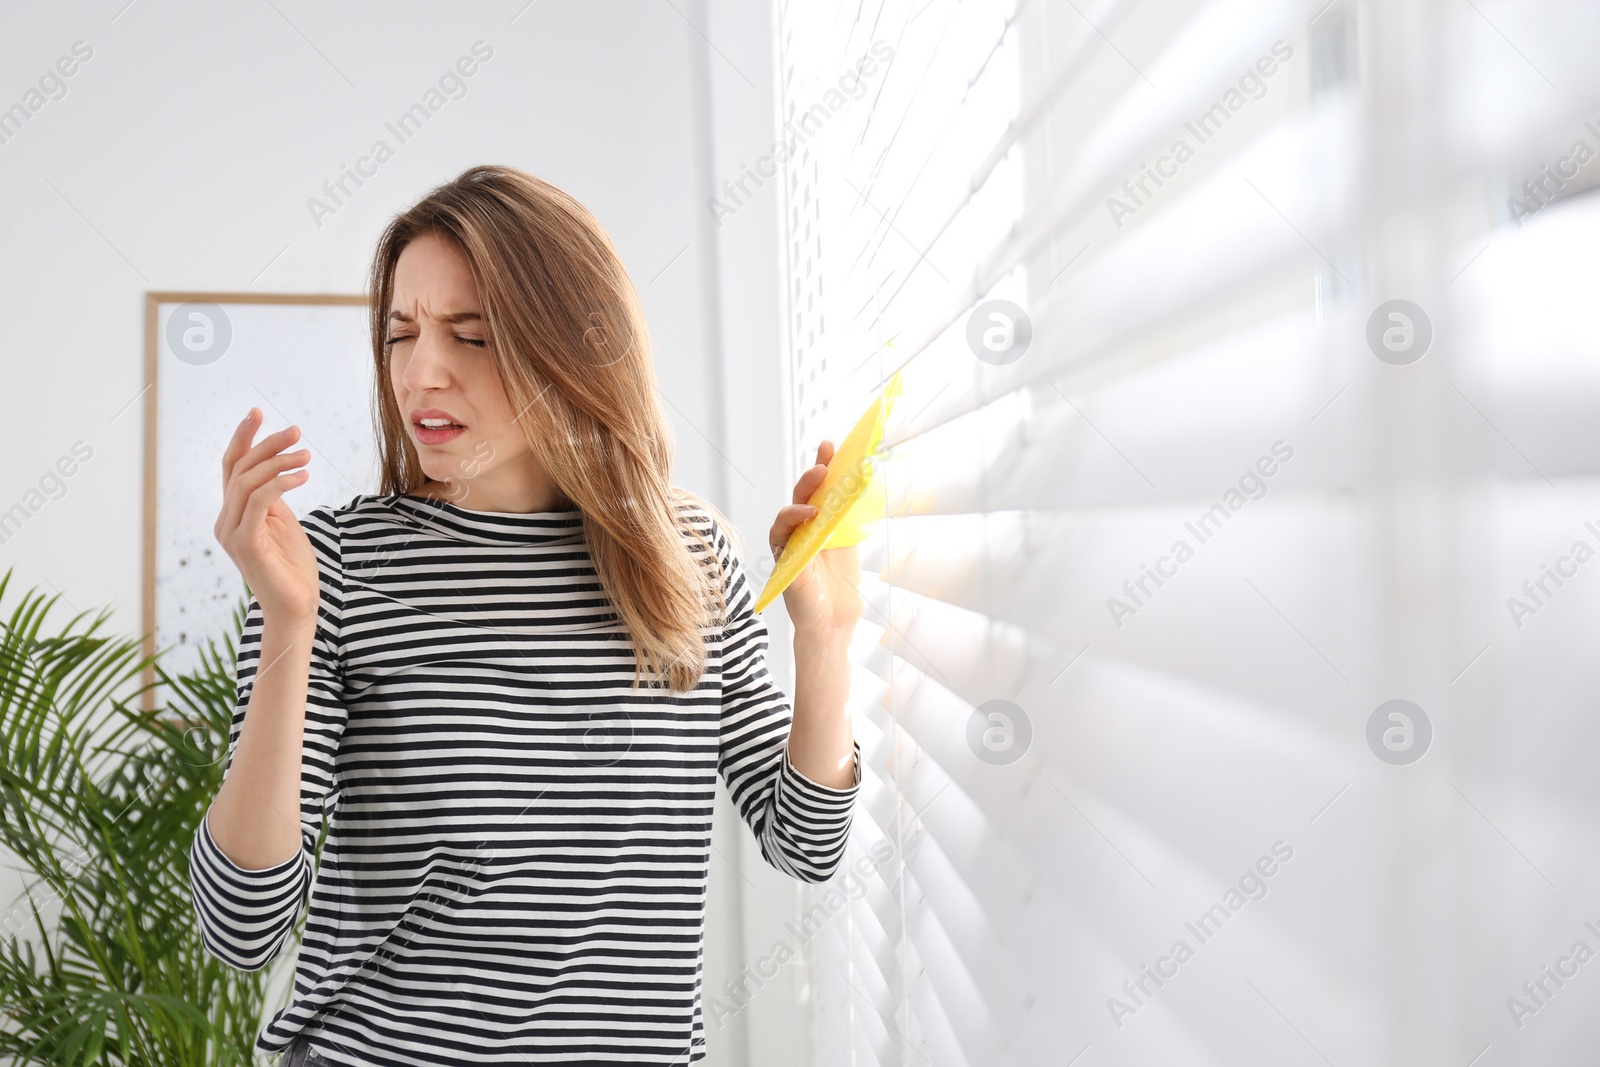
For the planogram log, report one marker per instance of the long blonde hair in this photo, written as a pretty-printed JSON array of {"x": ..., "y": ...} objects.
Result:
[{"x": 571, "y": 344}]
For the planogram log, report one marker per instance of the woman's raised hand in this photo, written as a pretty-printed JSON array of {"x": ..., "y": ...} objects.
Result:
[
  {"x": 825, "y": 597},
  {"x": 259, "y": 531}
]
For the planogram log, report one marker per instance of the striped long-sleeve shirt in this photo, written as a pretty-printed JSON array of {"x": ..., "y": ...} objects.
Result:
[{"x": 518, "y": 843}]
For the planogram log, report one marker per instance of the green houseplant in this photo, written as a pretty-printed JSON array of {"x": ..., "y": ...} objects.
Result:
[{"x": 101, "y": 959}]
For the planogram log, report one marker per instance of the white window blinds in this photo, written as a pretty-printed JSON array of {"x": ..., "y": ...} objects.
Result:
[{"x": 1188, "y": 682}]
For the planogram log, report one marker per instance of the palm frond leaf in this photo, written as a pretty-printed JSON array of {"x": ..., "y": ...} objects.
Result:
[{"x": 100, "y": 959}]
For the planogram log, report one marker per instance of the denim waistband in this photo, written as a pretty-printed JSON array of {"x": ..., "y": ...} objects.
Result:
[{"x": 301, "y": 1054}]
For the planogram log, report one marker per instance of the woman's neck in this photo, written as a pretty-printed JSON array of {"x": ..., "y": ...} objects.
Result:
[{"x": 522, "y": 499}]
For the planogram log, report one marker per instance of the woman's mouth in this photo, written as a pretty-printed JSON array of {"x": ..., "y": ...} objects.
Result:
[{"x": 435, "y": 427}]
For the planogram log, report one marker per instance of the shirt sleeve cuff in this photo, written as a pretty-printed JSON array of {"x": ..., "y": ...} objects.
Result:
[
  {"x": 798, "y": 783},
  {"x": 266, "y": 877}
]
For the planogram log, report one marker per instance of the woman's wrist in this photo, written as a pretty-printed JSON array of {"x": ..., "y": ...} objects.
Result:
[
  {"x": 823, "y": 639},
  {"x": 289, "y": 627},
  {"x": 824, "y": 632}
]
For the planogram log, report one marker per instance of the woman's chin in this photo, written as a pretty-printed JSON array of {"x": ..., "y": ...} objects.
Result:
[{"x": 440, "y": 478}]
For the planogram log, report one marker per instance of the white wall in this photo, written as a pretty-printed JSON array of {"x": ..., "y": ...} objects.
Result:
[{"x": 182, "y": 156}]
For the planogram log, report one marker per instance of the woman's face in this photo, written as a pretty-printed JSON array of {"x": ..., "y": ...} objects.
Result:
[{"x": 448, "y": 390}]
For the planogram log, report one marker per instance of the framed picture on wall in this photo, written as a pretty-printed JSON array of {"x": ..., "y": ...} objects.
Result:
[{"x": 304, "y": 360}]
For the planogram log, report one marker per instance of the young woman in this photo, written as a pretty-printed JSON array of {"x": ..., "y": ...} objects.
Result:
[{"x": 509, "y": 680}]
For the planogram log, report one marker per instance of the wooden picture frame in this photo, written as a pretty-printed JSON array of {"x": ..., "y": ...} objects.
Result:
[{"x": 265, "y": 318}]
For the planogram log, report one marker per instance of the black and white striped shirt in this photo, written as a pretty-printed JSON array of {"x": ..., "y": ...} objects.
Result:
[{"x": 518, "y": 843}]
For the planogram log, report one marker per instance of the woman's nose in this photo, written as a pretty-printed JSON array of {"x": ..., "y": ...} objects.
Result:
[{"x": 426, "y": 367}]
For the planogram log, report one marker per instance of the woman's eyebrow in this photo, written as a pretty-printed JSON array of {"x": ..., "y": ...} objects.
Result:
[{"x": 459, "y": 316}]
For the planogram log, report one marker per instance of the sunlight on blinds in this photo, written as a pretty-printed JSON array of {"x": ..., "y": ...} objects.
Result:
[{"x": 1241, "y": 492}]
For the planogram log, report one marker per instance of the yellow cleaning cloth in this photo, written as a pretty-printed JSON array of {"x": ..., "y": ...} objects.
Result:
[{"x": 848, "y": 502}]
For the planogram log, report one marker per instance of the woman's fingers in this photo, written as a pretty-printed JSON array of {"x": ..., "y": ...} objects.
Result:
[
  {"x": 792, "y": 515},
  {"x": 789, "y": 517},
  {"x": 269, "y": 445},
  {"x": 808, "y": 483},
  {"x": 263, "y": 472},
  {"x": 268, "y": 493},
  {"x": 243, "y": 485},
  {"x": 238, "y": 444},
  {"x": 240, "y": 457},
  {"x": 813, "y": 477}
]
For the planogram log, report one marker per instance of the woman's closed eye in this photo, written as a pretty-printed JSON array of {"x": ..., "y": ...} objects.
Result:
[{"x": 464, "y": 340}]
